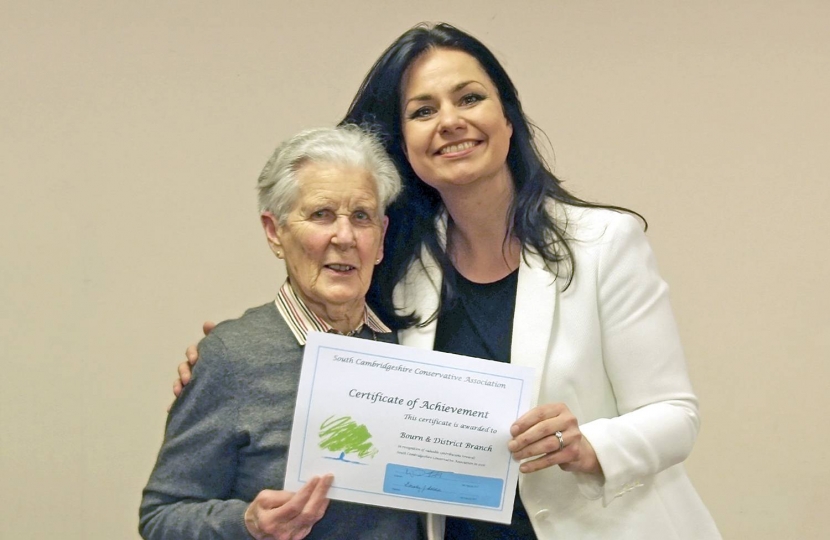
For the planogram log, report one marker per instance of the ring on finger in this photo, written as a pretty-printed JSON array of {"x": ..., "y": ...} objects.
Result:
[{"x": 558, "y": 435}]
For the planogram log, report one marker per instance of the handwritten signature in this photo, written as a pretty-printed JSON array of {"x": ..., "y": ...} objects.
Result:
[
  {"x": 423, "y": 473},
  {"x": 420, "y": 488}
]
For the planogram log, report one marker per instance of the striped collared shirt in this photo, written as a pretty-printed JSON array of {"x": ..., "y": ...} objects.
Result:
[{"x": 302, "y": 320}]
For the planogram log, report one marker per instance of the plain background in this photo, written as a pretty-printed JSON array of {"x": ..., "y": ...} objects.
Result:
[{"x": 132, "y": 133}]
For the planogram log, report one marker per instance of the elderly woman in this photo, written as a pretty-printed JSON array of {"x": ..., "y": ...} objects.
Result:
[{"x": 322, "y": 197}]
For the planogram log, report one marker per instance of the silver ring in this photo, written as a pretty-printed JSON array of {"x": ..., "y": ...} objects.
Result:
[{"x": 561, "y": 440}]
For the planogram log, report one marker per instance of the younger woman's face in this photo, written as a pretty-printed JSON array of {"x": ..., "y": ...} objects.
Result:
[{"x": 454, "y": 128}]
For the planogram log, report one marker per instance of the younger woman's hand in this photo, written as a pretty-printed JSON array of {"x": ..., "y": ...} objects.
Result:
[
  {"x": 534, "y": 435},
  {"x": 185, "y": 369}
]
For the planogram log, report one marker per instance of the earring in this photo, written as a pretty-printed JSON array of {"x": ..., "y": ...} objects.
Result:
[
  {"x": 279, "y": 254},
  {"x": 377, "y": 261}
]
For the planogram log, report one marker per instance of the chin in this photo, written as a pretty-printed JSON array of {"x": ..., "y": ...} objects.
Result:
[
  {"x": 339, "y": 298},
  {"x": 462, "y": 176}
]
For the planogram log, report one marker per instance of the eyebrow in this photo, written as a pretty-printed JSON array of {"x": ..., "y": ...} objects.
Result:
[
  {"x": 428, "y": 97},
  {"x": 359, "y": 201}
]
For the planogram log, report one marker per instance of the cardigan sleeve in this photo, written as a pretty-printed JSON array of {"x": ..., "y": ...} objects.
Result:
[
  {"x": 658, "y": 411},
  {"x": 189, "y": 492}
]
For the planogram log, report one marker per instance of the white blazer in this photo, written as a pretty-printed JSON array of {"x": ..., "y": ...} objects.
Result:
[{"x": 607, "y": 347}]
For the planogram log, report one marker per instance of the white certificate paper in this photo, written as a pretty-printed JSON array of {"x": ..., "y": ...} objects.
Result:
[{"x": 408, "y": 428}]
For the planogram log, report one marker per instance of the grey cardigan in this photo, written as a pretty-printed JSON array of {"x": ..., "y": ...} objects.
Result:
[{"x": 227, "y": 439}]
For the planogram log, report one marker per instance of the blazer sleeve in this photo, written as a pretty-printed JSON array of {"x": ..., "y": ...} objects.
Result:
[
  {"x": 188, "y": 494},
  {"x": 658, "y": 411}
]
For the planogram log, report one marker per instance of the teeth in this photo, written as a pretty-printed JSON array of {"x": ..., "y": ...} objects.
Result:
[
  {"x": 457, "y": 147},
  {"x": 340, "y": 267}
]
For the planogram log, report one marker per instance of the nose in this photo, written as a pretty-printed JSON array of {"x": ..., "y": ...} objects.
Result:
[
  {"x": 344, "y": 237},
  {"x": 449, "y": 118}
]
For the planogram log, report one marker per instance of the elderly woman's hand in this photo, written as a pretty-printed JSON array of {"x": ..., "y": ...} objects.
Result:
[
  {"x": 535, "y": 434},
  {"x": 283, "y": 515}
]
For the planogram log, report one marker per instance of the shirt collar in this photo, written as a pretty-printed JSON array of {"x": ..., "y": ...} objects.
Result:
[{"x": 301, "y": 320}]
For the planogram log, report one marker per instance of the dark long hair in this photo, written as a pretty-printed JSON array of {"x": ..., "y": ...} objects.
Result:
[{"x": 412, "y": 216}]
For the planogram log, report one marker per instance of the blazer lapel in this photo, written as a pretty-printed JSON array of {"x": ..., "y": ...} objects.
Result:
[
  {"x": 536, "y": 298},
  {"x": 420, "y": 292}
]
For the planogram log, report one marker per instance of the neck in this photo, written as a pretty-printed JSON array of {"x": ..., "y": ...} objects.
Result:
[
  {"x": 479, "y": 238},
  {"x": 344, "y": 319}
]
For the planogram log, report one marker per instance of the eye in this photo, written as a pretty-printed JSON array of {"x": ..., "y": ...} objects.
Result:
[
  {"x": 322, "y": 215},
  {"x": 472, "y": 98},
  {"x": 363, "y": 217},
  {"x": 420, "y": 112}
]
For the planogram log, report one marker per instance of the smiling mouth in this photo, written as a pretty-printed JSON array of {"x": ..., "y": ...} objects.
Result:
[
  {"x": 454, "y": 148},
  {"x": 340, "y": 267}
]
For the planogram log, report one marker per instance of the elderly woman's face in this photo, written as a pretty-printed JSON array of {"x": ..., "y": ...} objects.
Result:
[{"x": 333, "y": 235}]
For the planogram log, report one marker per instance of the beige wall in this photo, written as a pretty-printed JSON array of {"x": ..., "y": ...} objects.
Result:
[{"x": 131, "y": 134}]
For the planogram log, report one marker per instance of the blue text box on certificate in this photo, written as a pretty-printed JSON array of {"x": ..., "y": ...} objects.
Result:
[{"x": 443, "y": 486}]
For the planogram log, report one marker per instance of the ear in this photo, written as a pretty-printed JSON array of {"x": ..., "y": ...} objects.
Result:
[
  {"x": 272, "y": 233},
  {"x": 382, "y": 238}
]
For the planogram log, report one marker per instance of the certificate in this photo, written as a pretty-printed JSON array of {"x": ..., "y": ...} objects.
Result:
[{"x": 408, "y": 428}]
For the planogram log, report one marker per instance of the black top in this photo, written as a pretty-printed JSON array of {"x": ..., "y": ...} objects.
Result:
[{"x": 480, "y": 323}]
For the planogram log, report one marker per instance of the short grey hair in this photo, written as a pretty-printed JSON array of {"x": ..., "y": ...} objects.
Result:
[{"x": 347, "y": 144}]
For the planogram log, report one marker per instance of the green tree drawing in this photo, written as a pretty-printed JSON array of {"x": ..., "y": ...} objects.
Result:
[{"x": 346, "y": 436}]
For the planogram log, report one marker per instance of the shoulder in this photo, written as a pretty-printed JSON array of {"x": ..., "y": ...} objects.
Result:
[
  {"x": 256, "y": 321},
  {"x": 221, "y": 353},
  {"x": 258, "y": 335},
  {"x": 592, "y": 226},
  {"x": 599, "y": 239}
]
